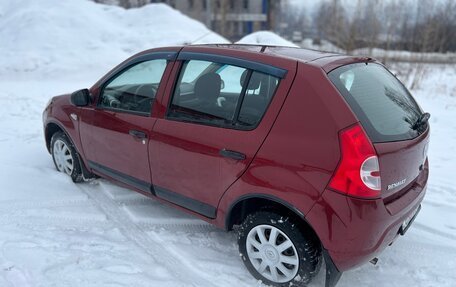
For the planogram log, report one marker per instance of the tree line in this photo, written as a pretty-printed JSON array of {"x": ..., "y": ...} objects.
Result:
[{"x": 419, "y": 26}]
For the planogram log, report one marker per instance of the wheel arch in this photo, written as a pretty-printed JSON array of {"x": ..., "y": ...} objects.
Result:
[
  {"x": 53, "y": 127},
  {"x": 50, "y": 130},
  {"x": 247, "y": 204},
  {"x": 256, "y": 202}
]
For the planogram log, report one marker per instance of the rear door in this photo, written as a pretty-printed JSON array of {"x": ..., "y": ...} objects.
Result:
[
  {"x": 389, "y": 115},
  {"x": 219, "y": 112},
  {"x": 117, "y": 130}
]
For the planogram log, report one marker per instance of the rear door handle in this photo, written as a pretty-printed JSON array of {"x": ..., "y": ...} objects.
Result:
[
  {"x": 138, "y": 134},
  {"x": 232, "y": 154}
]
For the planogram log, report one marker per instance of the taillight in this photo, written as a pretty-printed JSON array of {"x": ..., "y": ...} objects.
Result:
[{"x": 358, "y": 173}]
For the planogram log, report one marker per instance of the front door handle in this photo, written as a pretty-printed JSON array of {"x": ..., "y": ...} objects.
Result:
[
  {"x": 138, "y": 134},
  {"x": 232, "y": 154}
]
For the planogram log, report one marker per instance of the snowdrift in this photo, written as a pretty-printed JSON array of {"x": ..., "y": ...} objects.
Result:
[
  {"x": 54, "y": 36},
  {"x": 266, "y": 38}
]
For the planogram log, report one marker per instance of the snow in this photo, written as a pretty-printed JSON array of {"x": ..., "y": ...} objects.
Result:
[
  {"x": 324, "y": 45},
  {"x": 56, "y": 233},
  {"x": 266, "y": 38},
  {"x": 52, "y": 36},
  {"x": 407, "y": 55},
  {"x": 271, "y": 38}
]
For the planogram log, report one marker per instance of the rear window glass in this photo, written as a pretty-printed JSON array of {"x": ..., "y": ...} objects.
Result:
[{"x": 385, "y": 108}]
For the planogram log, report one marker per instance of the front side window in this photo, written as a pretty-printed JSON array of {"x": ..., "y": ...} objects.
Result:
[
  {"x": 221, "y": 94},
  {"x": 134, "y": 89}
]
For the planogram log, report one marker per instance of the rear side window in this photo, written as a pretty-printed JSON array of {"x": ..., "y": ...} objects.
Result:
[
  {"x": 383, "y": 105},
  {"x": 222, "y": 95},
  {"x": 258, "y": 94}
]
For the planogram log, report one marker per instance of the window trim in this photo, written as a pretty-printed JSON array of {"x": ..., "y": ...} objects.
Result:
[
  {"x": 241, "y": 98},
  {"x": 168, "y": 56},
  {"x": 247, "y": 64},
  {"x": 234, "y": 125}
]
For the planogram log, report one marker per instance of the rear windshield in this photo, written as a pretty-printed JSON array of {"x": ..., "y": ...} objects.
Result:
[{"x": 383, "y": 105}]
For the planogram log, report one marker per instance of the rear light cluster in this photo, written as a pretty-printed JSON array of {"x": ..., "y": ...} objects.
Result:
[{"x": 358, "y": 172}]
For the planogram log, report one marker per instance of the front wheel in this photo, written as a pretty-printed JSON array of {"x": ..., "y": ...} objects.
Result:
[
  {"x": 65, "y": 156},
  {"x": 276, "y": 251}
]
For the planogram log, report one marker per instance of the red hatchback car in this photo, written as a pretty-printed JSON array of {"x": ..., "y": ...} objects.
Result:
[{"x": 308, "y": 155}]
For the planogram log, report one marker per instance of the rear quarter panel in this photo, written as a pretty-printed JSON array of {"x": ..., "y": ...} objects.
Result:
[{"x": 299, "y": 155}]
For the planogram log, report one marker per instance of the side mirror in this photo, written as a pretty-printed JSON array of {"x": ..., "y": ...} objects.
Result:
[{"x": 80, "y": 98}]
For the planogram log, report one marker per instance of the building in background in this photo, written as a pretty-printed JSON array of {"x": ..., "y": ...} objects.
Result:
[{"x": 233, "y": 19}]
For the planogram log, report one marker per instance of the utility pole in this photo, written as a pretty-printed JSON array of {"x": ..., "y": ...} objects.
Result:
[
  {"x": 223, "y": 18},
  {"x": 209, "y": 14}
]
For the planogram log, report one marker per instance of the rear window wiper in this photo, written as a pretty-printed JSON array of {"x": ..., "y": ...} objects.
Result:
[{"x": 421, "y": 121}]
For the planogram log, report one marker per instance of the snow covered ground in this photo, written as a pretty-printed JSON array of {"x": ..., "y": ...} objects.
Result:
[{"x": 56, "y": 233}]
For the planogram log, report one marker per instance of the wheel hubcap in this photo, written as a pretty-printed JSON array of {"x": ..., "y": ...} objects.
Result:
[
  {"x": 63, "y": 158},
  {"x": 272, "y": 253}
]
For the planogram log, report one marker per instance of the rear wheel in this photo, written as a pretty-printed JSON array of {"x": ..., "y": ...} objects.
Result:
[
  {"x": 276, "y": 251},
  {"x": 66, "y": 158}
]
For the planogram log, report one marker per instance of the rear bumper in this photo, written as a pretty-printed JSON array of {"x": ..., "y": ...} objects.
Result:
[{"x": 354, "y": 231}]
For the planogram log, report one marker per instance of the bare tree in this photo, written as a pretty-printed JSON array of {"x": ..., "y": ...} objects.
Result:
[
  {"x": 331, "y": 22},
  {"x": 360, "y": 30},
  {"x": 446, "y": 17},
  {"x": 371, "y": 23},
  {"x": 393, "y": 15}
]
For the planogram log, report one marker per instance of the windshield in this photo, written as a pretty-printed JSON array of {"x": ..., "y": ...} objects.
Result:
[{"x": 383, "y": 105}]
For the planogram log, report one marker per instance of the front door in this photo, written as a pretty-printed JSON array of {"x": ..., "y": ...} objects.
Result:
[
  {"x": 119, "y": 129},
  {"x": 218, "y": 116}
]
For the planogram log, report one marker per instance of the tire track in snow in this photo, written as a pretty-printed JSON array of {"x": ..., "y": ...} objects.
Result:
[
  {"x": 184, "y": 227},
  {"x": 35, "y": 215},
  {"x": 435, "y": 203},
  {"x": 16, "y": 277},
  {"x": 53, "y": 221},
  {"x": 132, "y": 201},
  {"x": 9, "y": 205},
  {"x": 82, "y": 224},
  {"x": 138, "y": 235},
  {"x": 434, "y": 231},
  {"x": 442, "y": 187},
  {"x": 425, "y": 249}
]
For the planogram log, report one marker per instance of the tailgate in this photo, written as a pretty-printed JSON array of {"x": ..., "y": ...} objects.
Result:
[
  {"x": 394, "y": 122},
  {"x": 400, "y": 164}
]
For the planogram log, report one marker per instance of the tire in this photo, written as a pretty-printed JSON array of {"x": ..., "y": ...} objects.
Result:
[
  {"x": 65, "y": 157},
  {"x": 295, "y": 265}
]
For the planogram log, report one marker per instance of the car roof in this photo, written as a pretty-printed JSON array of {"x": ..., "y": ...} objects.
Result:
[
  {"x": 326, "y": 60},
  {"x": 303, "y": 55}
]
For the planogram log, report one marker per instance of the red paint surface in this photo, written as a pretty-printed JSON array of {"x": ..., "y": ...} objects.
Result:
[{"x": 290, "y": 156}]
